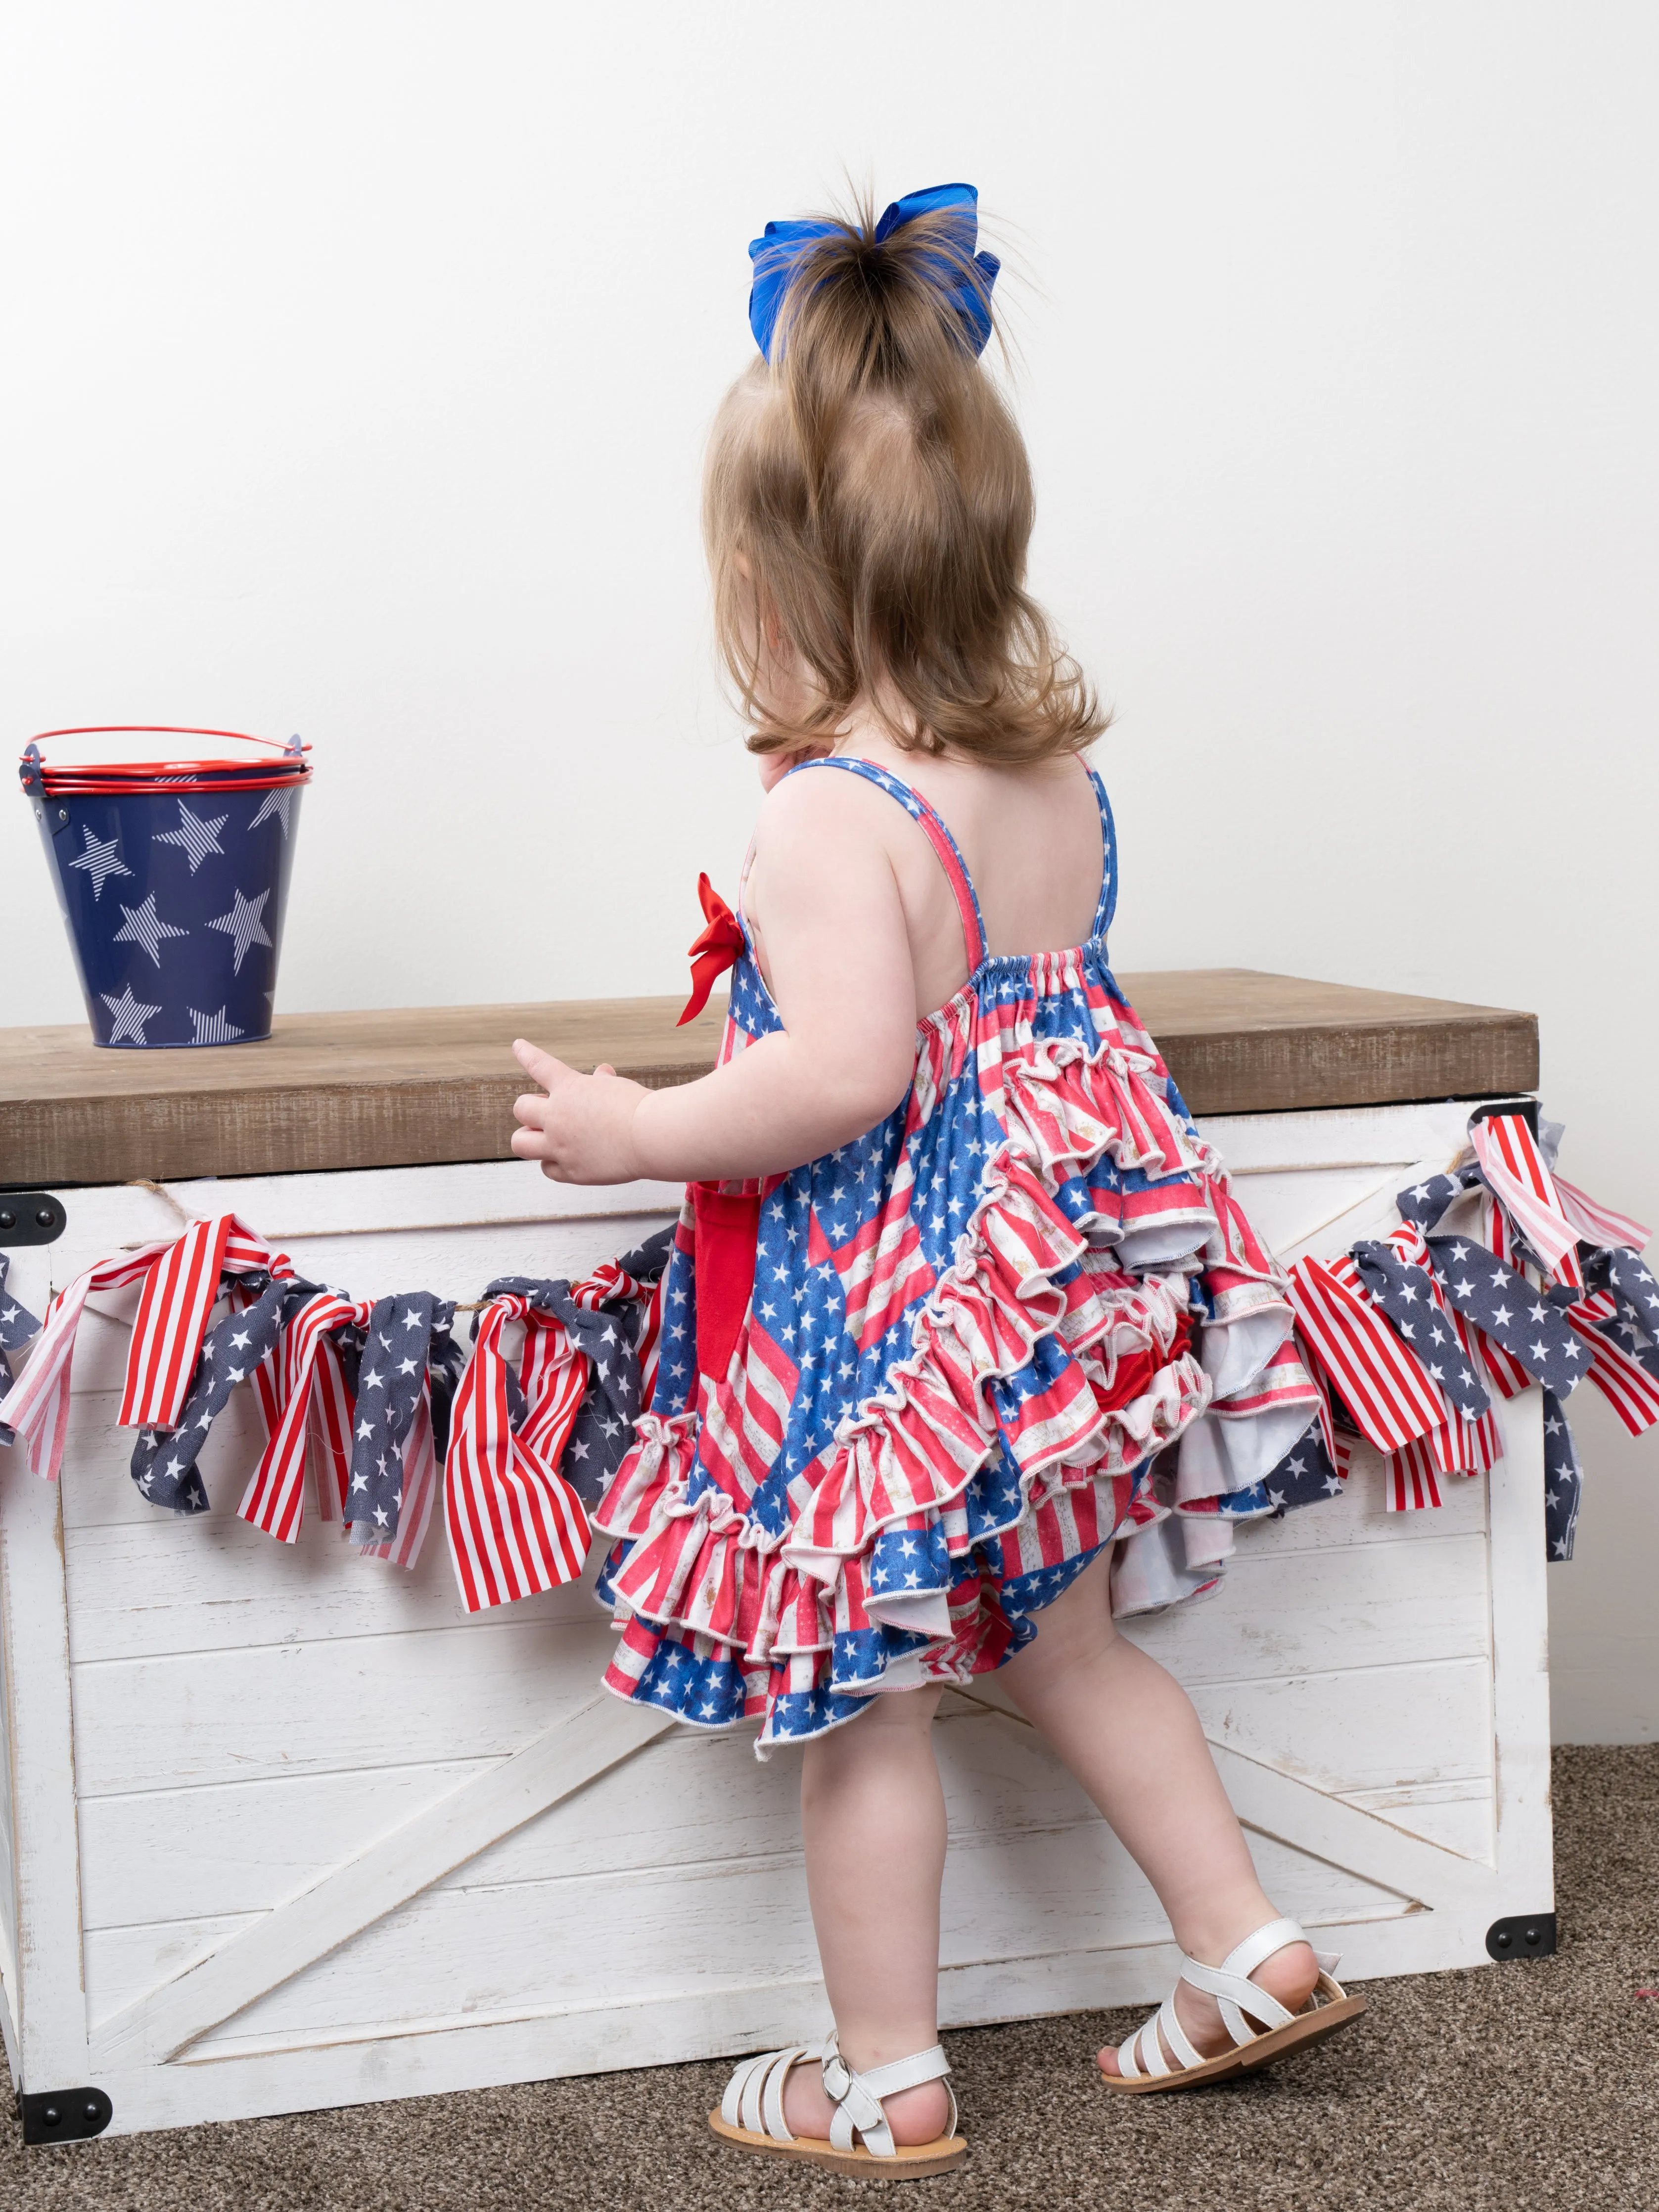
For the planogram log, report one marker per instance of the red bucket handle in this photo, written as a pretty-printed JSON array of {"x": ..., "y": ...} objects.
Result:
[{"x": 112, "y": 776}]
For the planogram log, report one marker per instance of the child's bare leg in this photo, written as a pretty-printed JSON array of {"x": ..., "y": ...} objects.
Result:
[
  {"x": 1129, "y": 1733},
  {"x": 872, "y": 1814}
]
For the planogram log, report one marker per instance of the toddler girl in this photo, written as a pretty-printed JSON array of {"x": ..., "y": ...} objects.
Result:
[{"x": 965, "y": 1344}]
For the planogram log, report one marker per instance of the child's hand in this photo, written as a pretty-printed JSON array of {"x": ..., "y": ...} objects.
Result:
[{"x": 582, "y": 1130}]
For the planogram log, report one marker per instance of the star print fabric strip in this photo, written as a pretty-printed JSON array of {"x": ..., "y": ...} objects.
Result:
[
  {"x": 1634, "y": 1325},
  {"x": 1564, "y": 1481},
  {"x": 1528, "y": 1325},
  {"x": 17, "y": 1327},
  {"x": 1402, "y": 1284},
  {"x": 165, "y": 1462},
  {"x": 391, "y": 1382}
]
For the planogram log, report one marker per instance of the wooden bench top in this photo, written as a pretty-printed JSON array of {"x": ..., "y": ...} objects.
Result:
[{"x": 413, "y": 1085}]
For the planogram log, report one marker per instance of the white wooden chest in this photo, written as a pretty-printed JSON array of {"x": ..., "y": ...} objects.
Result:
[{"x": 287, "y": 1829}]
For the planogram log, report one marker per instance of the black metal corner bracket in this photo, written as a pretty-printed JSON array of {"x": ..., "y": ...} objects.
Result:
[
  {"x": 64, "y": 2115},
  {"x": 30, "y": 1217},
  {"x": 1528, "y": 1936}
]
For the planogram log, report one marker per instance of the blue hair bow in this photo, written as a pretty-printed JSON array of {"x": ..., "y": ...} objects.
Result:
[{"x": 776, "y": 251}]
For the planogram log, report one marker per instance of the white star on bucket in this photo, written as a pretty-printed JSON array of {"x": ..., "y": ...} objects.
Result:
[
  {"x": 198, "y": 838},
  {"x": 99, "y": 860},
  {"x": 214, "y": 1029},
  {"x": 279, "y": 803},
  {"x": 144, "y": 926},
  {"x": 243, "y": 925},
  {"x": 131, "y": 1015}
]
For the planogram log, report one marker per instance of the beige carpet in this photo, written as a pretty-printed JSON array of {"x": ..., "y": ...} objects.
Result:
[{"x": 1522, "y": 2085}]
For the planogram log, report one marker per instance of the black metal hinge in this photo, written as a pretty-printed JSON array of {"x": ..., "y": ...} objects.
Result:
[
  {"x": 1528, "y": 1936},
  {"x": 64, "y": 2115},
  {"x": 31, "y": 1217}
]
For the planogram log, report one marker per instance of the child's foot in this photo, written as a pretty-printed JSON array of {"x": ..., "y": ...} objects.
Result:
[
  {"x": 915, "y": 2115},
  {"x": 1290, "y": 1975}
]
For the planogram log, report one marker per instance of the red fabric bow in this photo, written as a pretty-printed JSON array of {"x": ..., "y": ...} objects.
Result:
[{"x": 713, "y": 951}]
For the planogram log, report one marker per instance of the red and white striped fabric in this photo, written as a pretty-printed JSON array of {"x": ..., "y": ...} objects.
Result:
[
  {"x": 1411, "y": 1478},
  {"x": 1599, "y": 1224},
  {"x": 180, "y": 1280},
  {"x": 1628, "y": 1388},
  {"x": 38, "y": 1405},
  {"x": 331, "y": 1413},
  {"x": 179, "y": 1293},
  {"x": 1515, "y": 1172},
  {"x": 1383, "y": 1386},
  {"x": 515, "y": 1525},
  {"x": 275, "y": 1498}
]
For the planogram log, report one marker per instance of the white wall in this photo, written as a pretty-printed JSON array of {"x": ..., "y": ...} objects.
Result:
[{"x": 356, "y": 358}]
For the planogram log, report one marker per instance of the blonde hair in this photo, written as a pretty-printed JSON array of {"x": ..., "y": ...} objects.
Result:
[{"x": 867, "y": 496}]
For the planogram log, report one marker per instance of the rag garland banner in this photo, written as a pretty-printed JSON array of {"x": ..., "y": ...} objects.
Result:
[{"x": 1501, "y": 1274}]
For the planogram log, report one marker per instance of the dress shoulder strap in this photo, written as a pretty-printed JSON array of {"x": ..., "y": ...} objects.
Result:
[
  {"x": 1108, "y": 904},
  {"x": 949, "y": 856}
]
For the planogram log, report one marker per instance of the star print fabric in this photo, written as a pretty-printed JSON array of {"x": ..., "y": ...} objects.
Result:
[
  {"x": 390, "y": 1384},
  {"x": 1564, "y": 1481},
  {"x": 1021, "y": 1319},
  {"x": 17, "y": 1327}
]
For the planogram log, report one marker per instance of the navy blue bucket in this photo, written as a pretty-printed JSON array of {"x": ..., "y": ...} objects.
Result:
[{"x": 171, "y": 876}]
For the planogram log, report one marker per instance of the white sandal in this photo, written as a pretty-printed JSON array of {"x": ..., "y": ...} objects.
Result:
[
  {"x": 1327, "y": 2010},
  {"x": 751, "y": 2113}
]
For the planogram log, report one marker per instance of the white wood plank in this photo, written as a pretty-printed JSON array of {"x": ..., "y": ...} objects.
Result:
[
  {"x": 1521, "y": 1682},
  {"x": 1361, "y": 1730},
  {"x": 252, "y": 1843},
  {"x": 1381, "y": 1136},
  {"x": 1288, "y": 1810},
  {"x": 211, "y": 1581},
  {"x": 51, "y": 2019},
  {"x": 1289, "y": 1615},
  {"x": 402, "y": 1861},
  {"x": 111, "y": 1217},
  {"x": 1457, "y": 1816},
  {"x": 445, "y": 1197},
  {"x": 323, "y": 1708},
  {"x": 8, "y": 1983},
  {"x": 458, "y": 1263}
]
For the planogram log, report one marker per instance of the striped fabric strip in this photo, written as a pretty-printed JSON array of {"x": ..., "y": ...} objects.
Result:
[
  {"x": 1514, "y": 1169},
  {"x": 516, "y": 1526},
  {"x": 1411, "y": 1478},
  {"x": 275, "y": 1498},
  {"x": 38, "y": 1404},
  {"x": 1599, "y": 1224},
  {"x": 1382, "y": 1386},
  {"x": 332, "y": 1415},
  {"x": 179, "y": 1293},
  {"x": 1628, "y": 1389}
]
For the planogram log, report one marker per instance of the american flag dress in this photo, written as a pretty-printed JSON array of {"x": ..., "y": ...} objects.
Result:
[{"x": 908, "y": 1390}]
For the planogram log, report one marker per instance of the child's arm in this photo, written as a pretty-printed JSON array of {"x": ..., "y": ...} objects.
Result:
[{"x": 841, "y": 978}]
